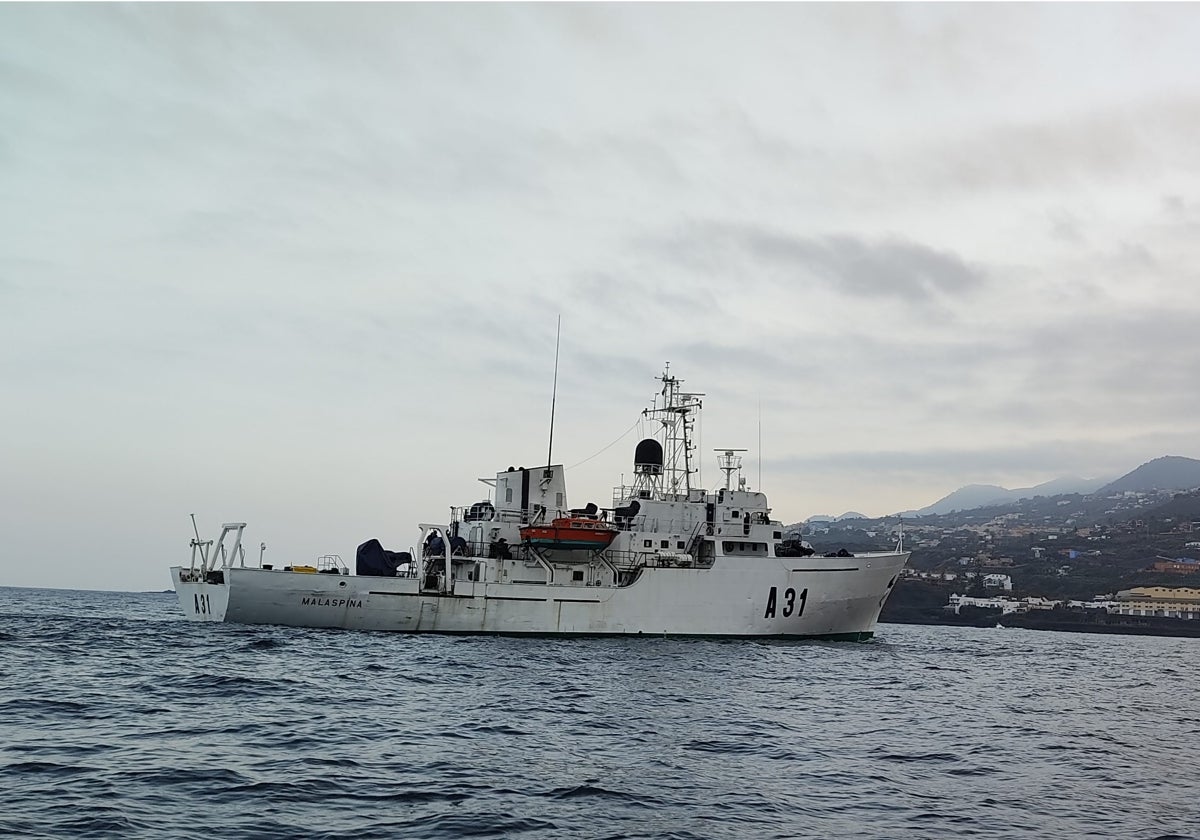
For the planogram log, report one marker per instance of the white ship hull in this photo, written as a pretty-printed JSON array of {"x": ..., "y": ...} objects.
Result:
[{"x": 791, "y": 597}]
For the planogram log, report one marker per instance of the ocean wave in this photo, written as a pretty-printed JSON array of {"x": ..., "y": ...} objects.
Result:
[{"x": 159, "y": 728}]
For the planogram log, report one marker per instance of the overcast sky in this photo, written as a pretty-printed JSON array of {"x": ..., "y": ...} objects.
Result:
[{"x": 300, "y": 265}]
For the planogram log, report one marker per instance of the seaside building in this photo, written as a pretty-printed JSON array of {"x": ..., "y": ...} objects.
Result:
[
  {"x": 910, "y": 572},
  {"x": 1005, "y": 605},
  {"x": 1160, "y": 601}
]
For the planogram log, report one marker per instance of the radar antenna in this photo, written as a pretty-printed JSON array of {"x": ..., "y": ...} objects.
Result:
[{"x": 729, "y": 462}]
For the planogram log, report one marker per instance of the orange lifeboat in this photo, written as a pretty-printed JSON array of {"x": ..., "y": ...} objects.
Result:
[{"x": 570, "y": 533}]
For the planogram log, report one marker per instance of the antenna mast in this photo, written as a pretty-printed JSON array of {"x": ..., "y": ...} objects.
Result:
[
  {"x": 553, "y": 395},
  {"x": 676, "y": 416}
]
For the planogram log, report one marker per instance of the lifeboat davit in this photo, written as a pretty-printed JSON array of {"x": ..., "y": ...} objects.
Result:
[{"x": 570, "y": 533}]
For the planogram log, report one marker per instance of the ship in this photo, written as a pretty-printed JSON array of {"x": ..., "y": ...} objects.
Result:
[{"x": 663, "y": 558}]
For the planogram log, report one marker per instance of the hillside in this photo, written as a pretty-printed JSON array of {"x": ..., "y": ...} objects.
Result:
[
  {"x": 1183, "y": 507},
  {"x": 966, "y": 498},
  {"x": 1069, "y": 545},
  {"x": 1171, "y": 472},
  {"x": 979, "y": 495}
]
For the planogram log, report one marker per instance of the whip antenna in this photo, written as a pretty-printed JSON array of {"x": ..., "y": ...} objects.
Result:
[{"x": 553, "y": 395}]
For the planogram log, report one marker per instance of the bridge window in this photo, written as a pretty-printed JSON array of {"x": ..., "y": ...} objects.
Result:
[{"x": 730, "y": 547}]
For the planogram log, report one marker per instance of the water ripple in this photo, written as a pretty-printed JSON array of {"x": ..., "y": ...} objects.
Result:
[{"x": 159, "y": 728}]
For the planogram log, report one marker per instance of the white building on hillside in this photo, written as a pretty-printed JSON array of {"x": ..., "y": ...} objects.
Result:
[{"x": 997, "y": 582}]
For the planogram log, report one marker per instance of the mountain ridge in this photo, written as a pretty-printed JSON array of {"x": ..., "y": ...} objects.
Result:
[
  {"x": 1167, "y": 472},
  {"x": 980, "y": 495}
]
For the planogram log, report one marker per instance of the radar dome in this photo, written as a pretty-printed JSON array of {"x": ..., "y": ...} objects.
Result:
[{"x": 648, "y": 457}]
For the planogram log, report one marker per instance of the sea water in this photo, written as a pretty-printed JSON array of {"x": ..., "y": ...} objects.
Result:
[{"x": 119, "y": 719}]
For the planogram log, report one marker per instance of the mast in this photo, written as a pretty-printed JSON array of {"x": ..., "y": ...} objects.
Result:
[
  {"x": 677, "y": 416},
  {"x": 553, "y": 398}
]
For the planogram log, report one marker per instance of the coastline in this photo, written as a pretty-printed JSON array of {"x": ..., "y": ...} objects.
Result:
[{"x": 926, "y": 604}]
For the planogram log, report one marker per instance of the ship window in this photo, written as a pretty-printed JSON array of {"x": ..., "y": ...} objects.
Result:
[
  {"x": 665, "y": 544},
  {"x": 733, "y": 514},
  {"x": 647, "y": 543},
  {"x": 679, "y": 545},
  {"x": 727, "y": 547},
  {"x": 558, "y": 500},
  {"x": 578, "y": 575},
  {"x": 508, "y": 494}
]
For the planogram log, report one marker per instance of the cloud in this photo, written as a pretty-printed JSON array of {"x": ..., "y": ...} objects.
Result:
[
  {"x": 1065, "y": 227},
  {"x": 1010, "y": 464},
  {"x": 632, "y": 296},
  {"x": 1103, "y": 144},
  {"x": 936, "y": 246},
  {"x": 848, "y": 264}
]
